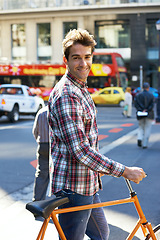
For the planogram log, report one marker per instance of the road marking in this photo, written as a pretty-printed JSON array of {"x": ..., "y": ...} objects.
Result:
[
  {"x": 107, "y": 125},
  {"x": 6, "y": 127},
  {"x": 118, "y": 142},
  {"x": 34, "y": 163},
  {"x": 100, "y": 137},
  {"x": 116, "y": 130},
  {"x": 127, "y": 124}
]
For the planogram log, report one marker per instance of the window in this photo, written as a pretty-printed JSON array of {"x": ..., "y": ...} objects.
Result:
[
  {"x": 98, "y": 82},
  {"x": 151, "y": 40},
  {"x": 112, "y": 34},
  {"x": 11, "y": 91},
  {"x": 18, "y": 36},
  {"x": 152, "y": 43},
  {"x": 29, "y": 92},
  {"x": 151, "y": 32},
  {"x": 44, "y": 50},
  {"x": 103, "y": 59},
  {"x": 106, "y": 92},
  {"x": 67, "y": 26},
  {"x": 123, "y": 79},
  {"x": 120, "y": 62},
  {"x": 115, "y": 92}
]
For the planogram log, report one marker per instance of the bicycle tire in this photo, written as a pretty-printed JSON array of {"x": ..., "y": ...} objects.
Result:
[{"x": 156, "y": 231}]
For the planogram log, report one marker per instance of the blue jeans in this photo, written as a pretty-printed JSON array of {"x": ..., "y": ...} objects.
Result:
[{"x": 91, "y": 222}]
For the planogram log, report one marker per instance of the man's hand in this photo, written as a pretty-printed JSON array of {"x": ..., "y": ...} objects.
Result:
[{"x": 134, "y": 174}]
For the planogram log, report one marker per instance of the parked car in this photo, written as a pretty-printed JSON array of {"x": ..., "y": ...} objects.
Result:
[
  {"x": 17, "y": 99},
  {"x": 109, "y": 95},
  {"x": 154, "y": 91}
]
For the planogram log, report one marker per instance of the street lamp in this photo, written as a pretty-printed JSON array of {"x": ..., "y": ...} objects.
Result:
[{"x": 158, "y": 100}]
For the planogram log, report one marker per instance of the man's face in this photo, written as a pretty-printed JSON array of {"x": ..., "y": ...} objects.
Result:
[{"x": 79, "y": 61}]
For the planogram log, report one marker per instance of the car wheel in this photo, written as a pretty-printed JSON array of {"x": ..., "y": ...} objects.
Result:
[
  {"x": 121, "y": 103},
  {"x": 14, "y": 114}
]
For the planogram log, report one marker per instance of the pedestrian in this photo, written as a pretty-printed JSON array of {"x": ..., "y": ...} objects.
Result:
[
  {"x": 77, "y": 162},
  {"x": 41, "y": 133},
  {"x": 144, "y": 103},
  {"x": 127, "y": 111}
]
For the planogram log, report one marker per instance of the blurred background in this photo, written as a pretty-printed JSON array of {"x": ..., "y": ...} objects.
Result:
[{"x": 31, "y": 34}]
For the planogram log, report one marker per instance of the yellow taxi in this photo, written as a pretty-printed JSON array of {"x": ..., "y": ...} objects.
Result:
[{"x": 109, "y": 95}]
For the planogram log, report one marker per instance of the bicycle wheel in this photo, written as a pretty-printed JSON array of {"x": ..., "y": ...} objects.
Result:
[{"x": 156, "y": 231}]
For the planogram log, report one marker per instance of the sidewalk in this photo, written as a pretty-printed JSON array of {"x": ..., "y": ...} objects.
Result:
[{"x": 17, "y": 223}]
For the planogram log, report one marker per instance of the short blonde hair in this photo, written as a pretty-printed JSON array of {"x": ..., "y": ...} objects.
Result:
[
  {"x": 77, "y": 36},
  {"x": 128, "y": 89}
]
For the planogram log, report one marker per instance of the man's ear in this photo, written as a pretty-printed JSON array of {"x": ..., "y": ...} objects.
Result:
[{"x": 64, "y": 60}]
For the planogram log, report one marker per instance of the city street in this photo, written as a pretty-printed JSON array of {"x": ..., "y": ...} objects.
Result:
[
  {"x": 117, "y": 140},
  {"x": 109, "y": 47}
]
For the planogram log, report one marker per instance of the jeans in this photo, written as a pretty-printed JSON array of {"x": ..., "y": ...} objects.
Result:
[
  {"x": 144, "y": 130},
  {"x": 91, "y": 222}
]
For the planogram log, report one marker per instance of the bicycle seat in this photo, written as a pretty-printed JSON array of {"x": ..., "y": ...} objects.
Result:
[{"x": 44, "y": 208}]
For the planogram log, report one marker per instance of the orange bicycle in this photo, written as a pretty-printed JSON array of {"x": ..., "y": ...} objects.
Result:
[{"x": 48, "y": 209}]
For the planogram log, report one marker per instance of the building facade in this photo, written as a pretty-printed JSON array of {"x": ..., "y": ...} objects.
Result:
[{"x": 31, "y": 31}]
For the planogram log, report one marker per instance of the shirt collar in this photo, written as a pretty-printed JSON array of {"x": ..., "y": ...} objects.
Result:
[{"x": 75, "y": 80}]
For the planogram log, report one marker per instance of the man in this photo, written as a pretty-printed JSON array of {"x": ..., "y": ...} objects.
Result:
[
  {"x": 144, "y": 102},
  {"x": 41, "y": 133},
  {"x": 74, "y": 143}
]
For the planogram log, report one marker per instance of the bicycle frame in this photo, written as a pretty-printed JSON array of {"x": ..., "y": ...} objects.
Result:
[{"x": 142, "y": 222}]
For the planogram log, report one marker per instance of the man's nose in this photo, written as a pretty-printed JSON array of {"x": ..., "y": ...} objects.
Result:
[{"x": 83, "y": 62}]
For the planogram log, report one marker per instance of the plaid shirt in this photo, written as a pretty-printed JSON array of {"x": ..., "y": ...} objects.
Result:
[{"x": 74, "y": 139}]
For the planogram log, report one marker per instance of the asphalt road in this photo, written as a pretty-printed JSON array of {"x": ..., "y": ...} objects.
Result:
[
  {"x": 117, "y": 140},
  {"x": 17, "y": 150}
]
